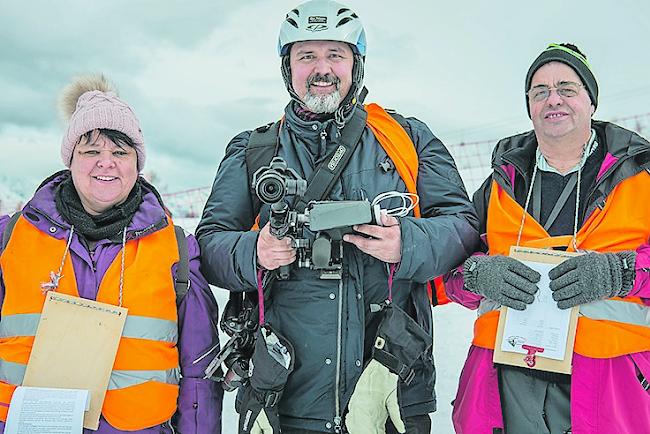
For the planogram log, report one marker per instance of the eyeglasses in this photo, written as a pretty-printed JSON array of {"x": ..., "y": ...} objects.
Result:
[{"x": 567, "y": 89}]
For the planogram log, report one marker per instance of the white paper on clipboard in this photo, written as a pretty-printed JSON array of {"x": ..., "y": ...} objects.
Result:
[
  {"x": 542, "y": 324},
  {"x": 527, "y": 354}
]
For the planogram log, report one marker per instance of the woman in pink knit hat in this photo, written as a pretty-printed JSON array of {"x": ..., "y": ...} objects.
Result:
[{"x": 109, "y": 229}]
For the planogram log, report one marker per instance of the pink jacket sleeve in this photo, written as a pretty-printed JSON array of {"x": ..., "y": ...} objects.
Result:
[
  {"x": 642, "y": 282},
  {"x": 455, "y": 288}
]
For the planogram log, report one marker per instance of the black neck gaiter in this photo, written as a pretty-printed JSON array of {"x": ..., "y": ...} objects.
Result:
[{"x": 96, "y": 227}]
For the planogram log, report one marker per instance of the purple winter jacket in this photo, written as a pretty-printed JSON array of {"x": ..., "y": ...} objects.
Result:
[{"x": 200, "y": 400}]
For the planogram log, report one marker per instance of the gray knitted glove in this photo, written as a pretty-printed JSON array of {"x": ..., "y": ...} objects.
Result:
[
  {"x": 593, "y": 276},
  {"x": 502, "y": 279}
]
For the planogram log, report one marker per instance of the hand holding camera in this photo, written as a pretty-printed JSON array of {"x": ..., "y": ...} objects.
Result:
[
  {"x": 382, "y": 242},
  {"x": 272, "y": 252}
]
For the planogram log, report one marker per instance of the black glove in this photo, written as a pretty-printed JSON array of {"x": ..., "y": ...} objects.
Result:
[
  {"x": 502, "y": 279},
  {"x": 593, "y": 276},
  {"x": 271, "y": 364}
]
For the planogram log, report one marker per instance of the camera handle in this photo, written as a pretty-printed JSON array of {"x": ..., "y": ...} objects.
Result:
[{"x": 279, "y": 225}]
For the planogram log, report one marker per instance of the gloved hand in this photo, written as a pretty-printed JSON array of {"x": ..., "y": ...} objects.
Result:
[
  {"x": 592, "y": 276},
  {"x": 271, "y": 364},
  {"x": 255, "y": 418},
  {"x": 378, "y": 402},
  {"x": 400, "y": 341},
  {"x": 502, "y": 279}
]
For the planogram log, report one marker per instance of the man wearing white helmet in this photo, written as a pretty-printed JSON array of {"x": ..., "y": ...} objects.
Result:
[
  {"x": 356, "y": 339},
  {"x": 344, "y": 41}
]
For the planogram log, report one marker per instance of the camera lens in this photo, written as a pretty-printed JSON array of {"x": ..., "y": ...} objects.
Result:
[{"x": 270, "y": 187}]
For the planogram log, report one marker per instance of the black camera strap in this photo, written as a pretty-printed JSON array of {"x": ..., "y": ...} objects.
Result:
[{"x": 329, "y": 170}]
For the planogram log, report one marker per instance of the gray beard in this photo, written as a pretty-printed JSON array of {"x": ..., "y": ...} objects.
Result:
[{"x": 322, "y": 103}]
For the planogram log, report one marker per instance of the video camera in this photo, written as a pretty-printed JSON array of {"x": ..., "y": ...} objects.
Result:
[{"x": 330, "y": 220}]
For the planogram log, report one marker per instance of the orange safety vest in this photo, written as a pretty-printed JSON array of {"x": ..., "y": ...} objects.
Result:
[
  {"x": 143, "y": 388},
  {"x": 401, "y": 150},
  {"x": 606, "y": 328}
]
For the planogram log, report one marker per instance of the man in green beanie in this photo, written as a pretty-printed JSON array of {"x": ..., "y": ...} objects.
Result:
[{"x": 574, "y": 184}]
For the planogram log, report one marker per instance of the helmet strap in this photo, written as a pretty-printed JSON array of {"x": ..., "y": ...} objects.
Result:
[{"x": 285, "y": 68}]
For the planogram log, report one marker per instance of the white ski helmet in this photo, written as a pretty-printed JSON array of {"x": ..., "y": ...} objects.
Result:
[{"x": 322, "y": 20}]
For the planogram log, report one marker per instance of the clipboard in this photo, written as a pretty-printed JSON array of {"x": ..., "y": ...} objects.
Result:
[
  {"x": 75, "y": 347},
  {"x": 535, "y": 358}
]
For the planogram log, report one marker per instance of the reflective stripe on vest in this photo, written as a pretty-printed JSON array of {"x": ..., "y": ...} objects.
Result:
[
  {"x": 13, "y": 373},
  {"x": 609, "y": 310},
  {"x": 617, "y": 310},
  {"x": 143, "y": 387},
  {"x": 623, "y": 327},
  {"x": 607, "y": 328},
  {"x": 138, "y": 327}
]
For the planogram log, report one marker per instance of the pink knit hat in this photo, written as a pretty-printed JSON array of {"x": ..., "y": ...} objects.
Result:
[{"x": 98, "y": 107}]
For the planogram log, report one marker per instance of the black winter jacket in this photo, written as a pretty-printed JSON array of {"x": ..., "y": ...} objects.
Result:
[{"x": 329, "y": 321}]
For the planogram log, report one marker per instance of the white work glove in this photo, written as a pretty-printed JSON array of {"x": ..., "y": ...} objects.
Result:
[
  {"x": 399, "y": 343},
  {"x": 261, "y": 425},
  {"x": 374, "y": 401}
]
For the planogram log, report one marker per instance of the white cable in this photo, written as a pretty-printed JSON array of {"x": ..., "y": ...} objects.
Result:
[{"x": 409, "y": 201}]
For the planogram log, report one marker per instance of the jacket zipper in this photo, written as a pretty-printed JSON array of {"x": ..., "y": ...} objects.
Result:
[
  {"x": 322, "y": 150},
  {"x": 339, "y": 332},
  {"x": 337, "y": 398}
]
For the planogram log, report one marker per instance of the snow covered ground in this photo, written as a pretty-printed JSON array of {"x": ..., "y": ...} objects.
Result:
[
  {"x": 12, "y": 194},
  {"x": 453, "y": 333}
]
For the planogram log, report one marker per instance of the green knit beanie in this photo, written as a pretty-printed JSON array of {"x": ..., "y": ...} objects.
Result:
[{"x": 569, "y": 55}]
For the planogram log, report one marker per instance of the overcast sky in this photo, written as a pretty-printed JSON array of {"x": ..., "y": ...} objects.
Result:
[{"x": 199, "y": 72}]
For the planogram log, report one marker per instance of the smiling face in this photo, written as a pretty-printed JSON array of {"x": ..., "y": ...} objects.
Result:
[
  {"x": 560, "y": 117},
  {"x": 103, "y": 173},
  {"x": 321, "y": 73}
]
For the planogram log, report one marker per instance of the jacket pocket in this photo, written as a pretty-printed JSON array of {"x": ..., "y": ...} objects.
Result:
[{"x": 642, "y": 369}]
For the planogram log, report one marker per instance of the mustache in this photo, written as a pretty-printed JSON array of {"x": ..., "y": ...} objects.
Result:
[{"x": 327, "y": 78}]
